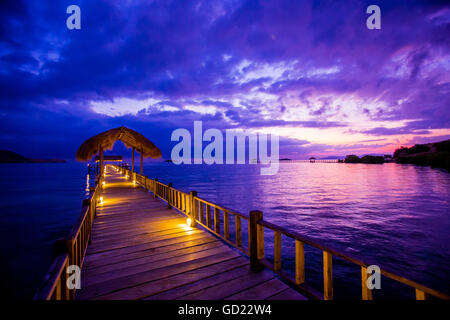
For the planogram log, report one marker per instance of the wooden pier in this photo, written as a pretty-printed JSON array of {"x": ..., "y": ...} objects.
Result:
[
  {"x": 140, "y": 249},
  {"x": 138, "y": 238}
]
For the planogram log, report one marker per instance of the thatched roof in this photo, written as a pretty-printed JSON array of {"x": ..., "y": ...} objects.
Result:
[{"x": 106, "y": 140}]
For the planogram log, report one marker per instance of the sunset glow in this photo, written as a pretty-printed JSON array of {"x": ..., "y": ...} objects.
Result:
[{"x": 309, "y": 71}]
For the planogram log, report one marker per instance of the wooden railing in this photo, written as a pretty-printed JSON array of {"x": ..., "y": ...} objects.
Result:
[
  {"x": 210, "y": 216},
  {"x": 70, "y": 251},
  {"x": 422, "y": 292}
]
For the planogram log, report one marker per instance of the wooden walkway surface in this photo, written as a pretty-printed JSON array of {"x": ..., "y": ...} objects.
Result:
[{"x": 142, "y": 250}]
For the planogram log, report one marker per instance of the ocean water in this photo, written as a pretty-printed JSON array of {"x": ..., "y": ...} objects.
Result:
[
  {"x": 395, "y": 215},
  {"x": 39, "y": 203}
]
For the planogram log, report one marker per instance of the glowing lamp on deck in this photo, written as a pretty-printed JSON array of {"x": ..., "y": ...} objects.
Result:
[
  {"x": 101, "y": 200},
  {"x": 103, "y": 183},
  {"x": 188, "y": 221}
]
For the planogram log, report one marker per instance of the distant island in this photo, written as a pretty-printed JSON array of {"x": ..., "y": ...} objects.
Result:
[
  {"x": 436, "y": 155},
  {"x": 7, "y": 156},
  {"x": 367, "y": 159}
]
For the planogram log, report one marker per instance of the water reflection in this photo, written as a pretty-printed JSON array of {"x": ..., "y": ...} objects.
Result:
[
  {"x": 397, "y": 215},
  {"x": 87, "y": 190}
]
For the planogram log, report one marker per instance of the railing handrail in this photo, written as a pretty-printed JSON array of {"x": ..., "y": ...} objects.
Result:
[
  {"x": 84, "y": 211},
  {"x": 79, "y": 222},
  {"x": 350, "y": 258},
  {"x": 49, "y": 286},
  {"x": 294, "y": 235},
  {"x": 75, "y": 245},
  {"x": 220, "y": 207}
]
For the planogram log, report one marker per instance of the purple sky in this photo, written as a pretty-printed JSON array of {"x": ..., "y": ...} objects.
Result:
[{"x": 309, "y": 71}]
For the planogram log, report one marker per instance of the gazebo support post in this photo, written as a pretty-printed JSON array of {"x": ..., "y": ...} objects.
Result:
[
  {"x": 101, "y": 161},
  {"x": 142, "y": 162},
  {"x": 132, "y": 160}
]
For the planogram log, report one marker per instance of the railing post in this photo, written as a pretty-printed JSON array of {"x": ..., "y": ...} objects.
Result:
[
  {"x": 277, "y": 251},
  {"x": 169, "y": 195},
  {"x": 260, "y": 231},
  {"x": 101, "y": 161},
  {"x": 201, "y": 212},
  {"x": 327, "y": 276},
  {"x": 237, "y": 225},
  {"x": 208, "y": 216},
  {"x": 72, "y": 260},
  {"x": 71, "y": 252},
  {"x": 226, "y": 225},
  {"x": 216, "y": 220},
  {"x": 366, "y": 292},
  {"x": 155, "y": 188},
  {"x": 60, "y": 247},
  {"x": 192, "y": 195},
  {"x": 91, "y": 190},
  {"x": 67, "y": 294},
  {"x": 87, "y": 234},
  {"x": 420, "y": 295},
  {"x": 299, "y": 262},
  {"x": 255, "y": 264},
  {"x": 94, "y": 202}
]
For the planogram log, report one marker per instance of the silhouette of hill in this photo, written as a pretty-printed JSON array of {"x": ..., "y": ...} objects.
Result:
[
  {"x": 436, "y": 154},
  {"x": 7, "y": 156}
]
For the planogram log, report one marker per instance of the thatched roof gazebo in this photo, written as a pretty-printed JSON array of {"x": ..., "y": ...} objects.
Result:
[{"x": 105, "y": 141}]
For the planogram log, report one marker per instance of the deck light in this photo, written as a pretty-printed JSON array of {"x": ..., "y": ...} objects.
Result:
[
  {"x": 101, "y": 200},
  {"x": 189, "y": 222},
  {"x": 103, "y": 183}
]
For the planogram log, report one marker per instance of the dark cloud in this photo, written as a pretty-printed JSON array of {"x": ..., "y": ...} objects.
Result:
[
  {"x": 244, "y": 59},
  {"x": 393, "y": 131}
]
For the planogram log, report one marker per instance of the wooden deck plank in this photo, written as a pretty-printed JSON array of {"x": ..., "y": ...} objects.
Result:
[
  {"x": 131, "y": 232},
  {"x": 128, "y": 240},
  {"x": 98, "y": 276},
  {"x": 150, "y": 290},
  {"x": 168, "y": 249},
  {"x": 144, "y": 277},
  {"x": 201, "y": 284},
  {"x": 220, "y": 291},
  {"x": 140, "y": 227},
  {"x": 142, "y": 250},
  {"x": 261, "y": 291},
  {"x": 145, "y": 246},
  {"x": 287, "y": 294},
  {"x": 151, "y": 259},
  {"x": 125, "y": 244}
]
